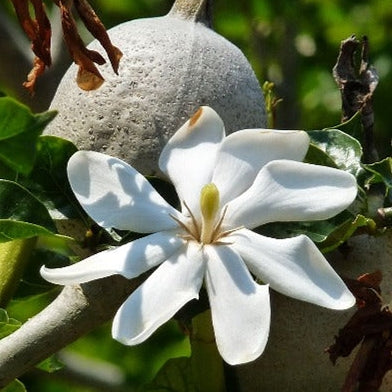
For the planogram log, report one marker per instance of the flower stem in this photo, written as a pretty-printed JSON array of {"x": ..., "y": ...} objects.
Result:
[
  {"x": 196, "y": 10},
  {"x": 206, "y": 362}
]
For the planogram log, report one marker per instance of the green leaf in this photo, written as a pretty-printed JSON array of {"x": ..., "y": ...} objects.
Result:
[
  {"x": 352, "y": 126},
  {"x": 317, "y": 156},
  {"x": 328, "y": 234},
  {"x": 13, "y": 230},
  {"x": 19, "y": 132},
  {"x": 14, "y": 386},
  {"x": 343, "y": 232},
  {"x": 24, "y": 308},
  {"x": 51, "y": 364},
  {"x": 340, "y": 149},
  {"x": 18, "y": 204},
  {"x": 381, "y": 173},
  {"x": 174, "y": 376},
  {"x": 48, "y": 179},
  {"x": 7, "y": 325}
]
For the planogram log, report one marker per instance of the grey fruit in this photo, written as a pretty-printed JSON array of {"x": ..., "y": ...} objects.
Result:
[{"x": 171, "y": 66}]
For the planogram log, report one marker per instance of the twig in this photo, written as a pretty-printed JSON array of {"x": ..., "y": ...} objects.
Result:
[
  {"x": 357, "y": 83},
  {"x": 76, "y": 311}
]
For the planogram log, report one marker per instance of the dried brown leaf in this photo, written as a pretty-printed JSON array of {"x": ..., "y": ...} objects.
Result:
[
  {"x": 371, "y": 328},
  {"x": 39, "y": 32},
  {"x": 88, "y": 78},
  {"x": 97, "y": 29}
]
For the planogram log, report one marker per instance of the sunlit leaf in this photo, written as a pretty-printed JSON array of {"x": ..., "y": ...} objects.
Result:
[
  {"x": 24, "y": 308},
  {"x": 343, "y": 232},
  {"x": 13, "y": 230},
  {"x": 342, "y": 149},
  {"x": 19, "y": 132}
]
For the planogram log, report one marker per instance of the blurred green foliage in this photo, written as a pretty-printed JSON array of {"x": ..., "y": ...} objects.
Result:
[{"x": 294, "y": 45}]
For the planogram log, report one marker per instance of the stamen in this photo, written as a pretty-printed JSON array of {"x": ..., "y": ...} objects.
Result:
[
  {"x": 185, "y": 227},
  {"x": 227, "y": 232},
  {"x": 215, "y": 233},
  {"x": 194, "y": 221}
]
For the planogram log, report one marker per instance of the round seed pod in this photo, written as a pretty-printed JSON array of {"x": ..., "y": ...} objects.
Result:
[{"x": 171, "y": 65}]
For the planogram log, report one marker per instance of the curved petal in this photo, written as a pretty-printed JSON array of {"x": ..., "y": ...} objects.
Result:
[
  {"x": 128, "y": 260},
  {"x": 243, "y": 153},
  {"x": 292, "y": 191},
  {"x": 294, "y": 267},
  {"x": 240, "y": 307},
  {"x": 171, "y": 286},
  {"x": 114, "y": 194},
  {"x": 188, "y": 157}
]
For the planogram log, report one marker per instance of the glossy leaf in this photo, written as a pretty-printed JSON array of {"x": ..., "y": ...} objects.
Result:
[
  {"x": 381, "y": 172},
  {"x": 328, "y": 234},
  {"x": 340, "y": 148},
  {"x": 13, "y": 230},
  {"x": 19, "y": 132},
  {"x": 48, "y": 179},
  {"x": 18, "y": 204}
]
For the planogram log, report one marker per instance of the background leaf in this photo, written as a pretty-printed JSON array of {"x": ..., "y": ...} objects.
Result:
[
  {"x": 19, "y": 132},
  {"x": 48, "y": 179},
  {"x": 381, "y": 173},
  {"x": 175, "y": 376},
  {"x": 18, "y": 204},
  {"x": 7, "y": 324},
  {"x": 14, "y": 386}
]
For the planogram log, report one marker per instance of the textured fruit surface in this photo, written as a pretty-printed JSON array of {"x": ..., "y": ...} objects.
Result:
[{"x": 170, "y": 67}]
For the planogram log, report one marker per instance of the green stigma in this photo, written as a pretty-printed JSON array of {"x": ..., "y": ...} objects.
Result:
[
  {"x": 209, "y": 201},
  {"x": 209, "y": 207}
]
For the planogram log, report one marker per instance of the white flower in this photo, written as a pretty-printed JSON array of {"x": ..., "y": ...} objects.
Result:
[{"x": 227, "y": 186}]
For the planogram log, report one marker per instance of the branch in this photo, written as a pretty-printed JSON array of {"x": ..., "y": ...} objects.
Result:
[
  {"x": 76, "y": 311},
  {"x": 357, "y": 83}
]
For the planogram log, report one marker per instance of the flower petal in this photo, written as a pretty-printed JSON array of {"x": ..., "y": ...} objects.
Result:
[
  {"x": 243, "y": 153},
  {"x": 188, "y": 157},
  {"x": 292, "y": 191},
  {"x": 114, "y": 194},
  {"x": 294, "y": 267},
  {"x": 171, "y": 286},
  {"x": 128, "y": 260},
  {"x": 240, "y": 307}
]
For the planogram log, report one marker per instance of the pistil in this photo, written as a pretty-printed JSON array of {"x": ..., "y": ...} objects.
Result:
[{"x": 209, "y": 207}]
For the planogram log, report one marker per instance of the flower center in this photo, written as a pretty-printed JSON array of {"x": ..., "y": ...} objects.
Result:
[{"x": 208, "y": 231}]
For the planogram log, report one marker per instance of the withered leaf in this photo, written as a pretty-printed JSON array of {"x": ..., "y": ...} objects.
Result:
[
  {"x": 39, "y": 32},
  {"x": 88, "y": 78},
  {"x": 97, "y": 29},
  {"x": 371, "y": 328}
]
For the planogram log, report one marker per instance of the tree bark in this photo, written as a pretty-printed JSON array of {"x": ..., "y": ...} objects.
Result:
[{"x": 76, "y": 311}]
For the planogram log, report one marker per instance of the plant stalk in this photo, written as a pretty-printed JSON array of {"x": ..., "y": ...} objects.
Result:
[
  {"x": 193, "y": 10},
  {"x": 206, "y": 362}
]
